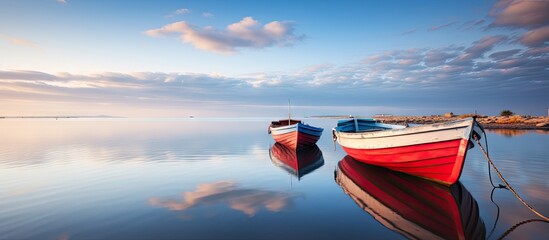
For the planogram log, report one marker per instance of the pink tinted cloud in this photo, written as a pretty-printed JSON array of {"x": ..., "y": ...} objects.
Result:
[
  {"x": 485, "y": 44},
  {"x": 247, "y": 33},
  {"x": 479, "y": 48},
  {"x": 19, "y": 41},
  {"x": 408, "y": 62},
  {"x": 536, "y": 37},
  {"x": 525, "y": 14},
  {"x": 247, "y": 201},
  {"x": 521, "y": 13}
]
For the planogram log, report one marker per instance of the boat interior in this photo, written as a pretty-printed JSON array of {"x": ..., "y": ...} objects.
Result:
[{"x": 284, "y": 122}]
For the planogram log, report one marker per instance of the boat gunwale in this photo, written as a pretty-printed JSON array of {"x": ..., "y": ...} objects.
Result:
[
  {"x": 310, "y": 130},
  {"x": 407, "y": 131}
]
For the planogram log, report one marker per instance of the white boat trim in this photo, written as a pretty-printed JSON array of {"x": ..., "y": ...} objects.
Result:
[{"x": 407, "y": 136}]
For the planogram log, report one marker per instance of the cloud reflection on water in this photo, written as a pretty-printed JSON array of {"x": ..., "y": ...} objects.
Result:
[{"x": 245, "y": 200}]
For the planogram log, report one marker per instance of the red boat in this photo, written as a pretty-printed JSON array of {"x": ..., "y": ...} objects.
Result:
[
  {"x": 294, "y": 134},
  {"x": 435, "y": 151},
  {"x": 298, "y": 163},
  {"x": 410, "y": 206}
]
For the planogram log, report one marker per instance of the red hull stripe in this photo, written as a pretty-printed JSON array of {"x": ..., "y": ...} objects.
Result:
[
  {"x": 441, "y": 162},
  {"x": 296, "y": 140}
]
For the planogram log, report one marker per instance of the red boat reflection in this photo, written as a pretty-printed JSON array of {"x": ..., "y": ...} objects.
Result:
[
  {"x": 298, "y": 163},
  {"x": 413, "y": 207}
]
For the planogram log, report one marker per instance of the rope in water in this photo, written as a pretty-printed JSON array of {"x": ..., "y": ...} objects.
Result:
[
  {"x": 497, "y": 216},
  {"x": 507, "y": 184},
  {"x": 517, "y": 225}
]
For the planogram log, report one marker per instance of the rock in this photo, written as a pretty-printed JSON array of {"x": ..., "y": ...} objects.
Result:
[
  {"x": 543, "y": 124},
  {"x": 489, "y": 122},
  {"x": 449, "y": 114},
  {"x": 534, "y": 121}
]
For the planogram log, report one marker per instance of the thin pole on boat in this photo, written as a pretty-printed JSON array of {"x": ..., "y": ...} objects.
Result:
[{"x": 289, "y": 113}]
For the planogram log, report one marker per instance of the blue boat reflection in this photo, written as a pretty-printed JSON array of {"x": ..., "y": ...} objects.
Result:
[
  {"x": 410, "y": 206},
  {"x": 298, "y": 163}
]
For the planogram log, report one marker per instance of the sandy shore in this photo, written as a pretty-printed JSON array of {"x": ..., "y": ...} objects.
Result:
[{"x": 489, "y": 122}]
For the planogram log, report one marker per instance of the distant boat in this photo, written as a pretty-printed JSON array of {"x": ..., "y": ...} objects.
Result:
[
  {"x": 294, "y": 134},
  {"x": 435, "y": 151},
  {"x": 298, "y": 163},
  {"x": 410, "y": 206}
]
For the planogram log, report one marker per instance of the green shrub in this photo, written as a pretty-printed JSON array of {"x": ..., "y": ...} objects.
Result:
[{"x": 506, "y": 113}]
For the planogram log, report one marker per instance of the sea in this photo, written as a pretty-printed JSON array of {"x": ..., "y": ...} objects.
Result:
[{"x": 225, "y": 178}]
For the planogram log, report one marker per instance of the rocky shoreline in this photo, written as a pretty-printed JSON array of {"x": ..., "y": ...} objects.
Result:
[{"x": 488, "y": 122}]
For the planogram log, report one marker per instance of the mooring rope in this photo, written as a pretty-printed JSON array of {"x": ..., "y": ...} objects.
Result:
[
  {"x": 497, "y": 216},
  {"x": 488, "y": 165},
  {"x": 517, "y": 225},
  {"x": 507, "y": 184}
]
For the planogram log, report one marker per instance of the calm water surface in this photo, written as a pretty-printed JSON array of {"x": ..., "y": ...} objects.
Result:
[{"x": 225, "y": 179}]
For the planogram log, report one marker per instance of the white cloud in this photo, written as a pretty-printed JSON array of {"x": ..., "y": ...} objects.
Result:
[
  {"x": 486, "y": 70},
  {"x": 247, "y": 33},
  {"x": 182, "y": 11},
  {"x": 61, "y": 1}
]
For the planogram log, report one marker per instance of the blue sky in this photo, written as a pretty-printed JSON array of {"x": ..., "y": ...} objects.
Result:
[{"x": 247, "y": 58}]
